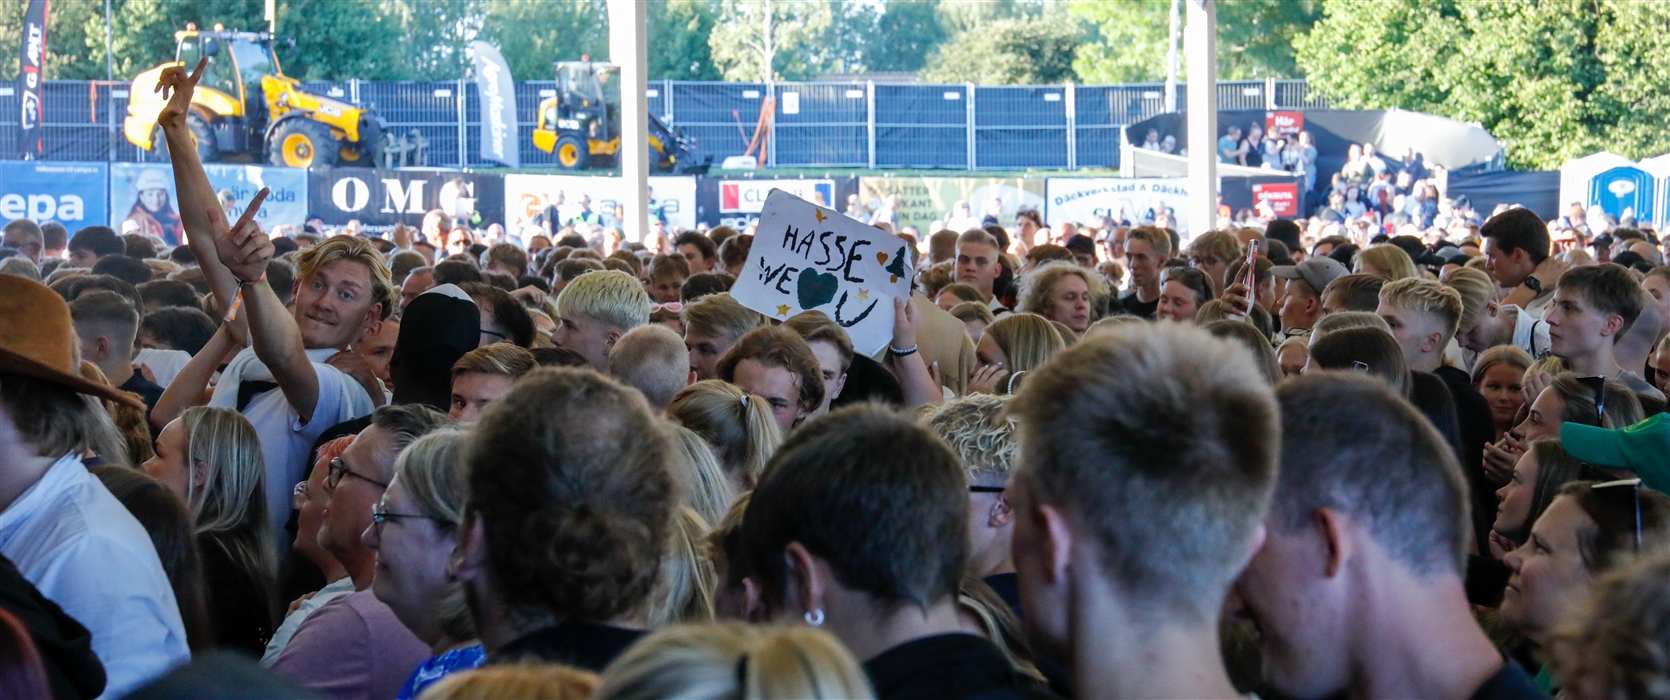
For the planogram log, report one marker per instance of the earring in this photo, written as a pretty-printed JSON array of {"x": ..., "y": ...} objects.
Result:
[{"x": 814, "y": 617}]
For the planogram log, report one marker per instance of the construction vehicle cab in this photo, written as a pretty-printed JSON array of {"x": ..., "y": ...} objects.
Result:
[
  {"x": 580, "y": 124},
  {"x": 245, "y": 105}
]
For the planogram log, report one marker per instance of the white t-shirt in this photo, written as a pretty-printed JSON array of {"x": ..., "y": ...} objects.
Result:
[
  {"x": 82, "y": 548},
  {"x": 286, "y": 442}
]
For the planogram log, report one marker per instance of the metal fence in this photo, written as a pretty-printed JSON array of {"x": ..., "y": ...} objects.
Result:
[{"x": 847, "y": 125}]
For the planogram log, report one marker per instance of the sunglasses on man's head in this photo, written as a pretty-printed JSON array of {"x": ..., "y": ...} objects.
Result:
[{"x": 1597, "y": 386}]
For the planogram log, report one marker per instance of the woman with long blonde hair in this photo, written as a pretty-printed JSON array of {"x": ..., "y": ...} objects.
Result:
[
  {"x": 211, "y": 459},
  {"x": 1014, "y": 345},
  {"x": 739, "y": 427}
]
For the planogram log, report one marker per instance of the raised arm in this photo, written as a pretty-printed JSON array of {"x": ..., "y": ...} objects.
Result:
[
  {"x": 918, "y": 384},
  {"x": 187, "y": 389},
  {"x": 245, "y": 249},
  {"x": 191, "y": 184}
]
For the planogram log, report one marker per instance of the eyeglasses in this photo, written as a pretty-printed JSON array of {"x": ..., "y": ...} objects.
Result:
[
  {"x": 987, "y": 489},
  {"x": 1205, "y": 261},
  {"x": 378, "y": 517},
  {"x": 340, "y": 469},
  {"x": 301, "y": 493},
  {"x": 1635, "y": 491},
  {"x": 670, "y": 307}
]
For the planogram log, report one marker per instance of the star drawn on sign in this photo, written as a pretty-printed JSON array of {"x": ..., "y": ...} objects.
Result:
[
  {"x": 821, "y": 217},
  {"x": 863, "y": 295},
  {"x": 782, "y": 309}
]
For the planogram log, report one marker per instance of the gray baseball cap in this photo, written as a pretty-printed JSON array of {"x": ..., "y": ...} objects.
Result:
[{"x": 1316, "y": 270}]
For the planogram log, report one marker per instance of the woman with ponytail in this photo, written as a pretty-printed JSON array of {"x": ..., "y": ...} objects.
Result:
[
  {"x": 738, "y": 426},
  {"x": 211, "y": 459}
]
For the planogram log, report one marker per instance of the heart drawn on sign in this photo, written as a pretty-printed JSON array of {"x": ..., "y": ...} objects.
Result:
[
  {"x": 881, "y": 258},
  {"x": 815, "y": 289}
]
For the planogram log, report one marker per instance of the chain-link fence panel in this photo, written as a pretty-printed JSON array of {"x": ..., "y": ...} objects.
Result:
[
  {"x": 822, "y": 124},
  {"x": 1020, "y": 127}
]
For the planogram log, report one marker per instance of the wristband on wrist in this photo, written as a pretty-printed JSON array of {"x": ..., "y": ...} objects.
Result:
[{"x": 907, "y": 352}]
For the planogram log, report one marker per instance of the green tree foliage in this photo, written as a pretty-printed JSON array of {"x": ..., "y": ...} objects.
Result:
[
  {"x": 678, "y": 40},
  {"x": 1553, "y": 79},
  {"x": 792, "y": 37},
  {"x": 1008, "y": 52},
  {"x": 532, "y": 34},
  {"x": 904, "y": 34},
  {"x": 1255, "y": 39}
]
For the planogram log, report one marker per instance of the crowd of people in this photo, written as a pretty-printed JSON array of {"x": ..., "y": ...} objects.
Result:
[{"x": 1093, "y": 461}]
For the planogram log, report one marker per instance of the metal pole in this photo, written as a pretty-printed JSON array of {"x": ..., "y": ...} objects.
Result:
[
  {"x": 109, "y": 53},
  {"x": 771, "y": 138},
  {"x": 463, "y": 131},
  {"x": 1072, "y": 127},
  {"x": 628, "y": 42},
  {"x": 1203, "y": 117},
  {"x": 1171, "y": 59},
  {"x": 1270, "y": 93},
  {"x": 870, "y": 103},
  {"x": 969, "y": 91}
]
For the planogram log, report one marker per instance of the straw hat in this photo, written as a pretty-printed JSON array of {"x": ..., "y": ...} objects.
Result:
[{"x": 36, "y": 338}]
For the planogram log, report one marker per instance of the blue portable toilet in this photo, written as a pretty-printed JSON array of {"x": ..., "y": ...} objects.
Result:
[{"x": 1623, "y": 188}]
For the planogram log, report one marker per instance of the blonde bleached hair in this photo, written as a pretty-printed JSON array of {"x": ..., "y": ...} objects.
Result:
[
  {"x": 979, "y": 432},
  {"x": 1038, "y": 286},
  {"x": 1477, "y": 290},
  {"x": 1510, "y": 355},
  {"x": 734, "y": 660},
  {"x": 738, "y": 426},
  {"x": 1390, "y": 261},
  {"x": 1028, "y": 340},
  {"x": 610, "y": 297},
  {"x": 1426, "y": 297},
  {"x": 354, "y": 249},
  {"x": 528, "y": 681}
]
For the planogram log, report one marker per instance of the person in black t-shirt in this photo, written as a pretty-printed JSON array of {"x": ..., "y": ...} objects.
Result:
[
  {"x": 1358, "y": 587},
  {"x": 1146, "y": 459},
  {"x": 860, "y": 526},
  {"x": 1424, "y": 315},
  {"x": 984, "y": 440},
  {"x": 1146, "y": 250}
]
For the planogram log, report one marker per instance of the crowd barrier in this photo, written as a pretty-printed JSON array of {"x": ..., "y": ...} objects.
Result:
[
  {"x": 857, "y": 124},
  {"x": 81, "y": 194}
]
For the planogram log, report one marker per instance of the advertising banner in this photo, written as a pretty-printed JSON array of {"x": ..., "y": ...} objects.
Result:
[
  {"x": 736, "y": 202},
  {"x": 931, "y": 203},
  {"x": 1282, "y": 196},
  {"x": 1133, "y": 200},
  {"x": 31, "y": 79},
  {"x": 498, "y": 105},
  {"x": 381, "y": 198},
  {"x": 593, "y": 200},
  {"x": 72, "y": 194},
  {"x": 807, "y": 257},
  {"x": 1280, "y": 125},
  {"x": 144, "y": 194}
]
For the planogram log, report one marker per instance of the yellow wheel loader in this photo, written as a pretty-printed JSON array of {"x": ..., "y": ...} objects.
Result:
[
  {"x": 581, "y": 123},
  {"x": 244, "y": 105}
]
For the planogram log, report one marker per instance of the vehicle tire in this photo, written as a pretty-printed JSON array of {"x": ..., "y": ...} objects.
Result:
[
  {"x": 303, "y": 143},
  {"x": 208, "y": 150},
  {"x": 367, "y": 152},
  {"x": 572, "y": 153}
]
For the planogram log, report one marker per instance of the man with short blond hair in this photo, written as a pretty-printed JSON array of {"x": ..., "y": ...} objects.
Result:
[
  {"x": 979, "y": 264},
  {"x": 1146, "y": 251},
  {"x": 596, "y": 309}
]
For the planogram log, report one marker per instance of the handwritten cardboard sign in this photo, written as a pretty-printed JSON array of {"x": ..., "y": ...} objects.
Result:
[{"x": 806, "y": 257}]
